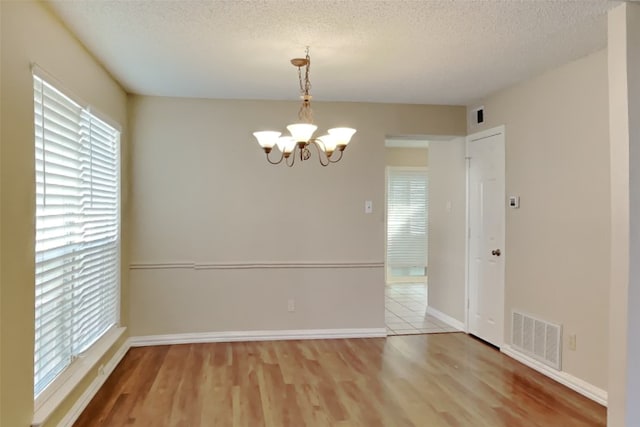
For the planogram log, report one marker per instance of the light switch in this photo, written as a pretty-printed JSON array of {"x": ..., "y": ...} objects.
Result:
[
  {"x": 448, "y": 206},
  {"x": 368, "y": 206}
]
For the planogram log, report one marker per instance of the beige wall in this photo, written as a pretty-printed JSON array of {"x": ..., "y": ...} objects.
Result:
[
  {"x": 409, "y": 157},
  {"x": 30, "y": 33},
  {"x": 558, "y": 242},
  {"x": 204, "y": 194},
  {"x": 447, "y": 219},
  {"x": 624, "y": 327}
]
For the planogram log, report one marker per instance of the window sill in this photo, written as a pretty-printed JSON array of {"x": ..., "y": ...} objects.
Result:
[{"x": 53, "y": 396}]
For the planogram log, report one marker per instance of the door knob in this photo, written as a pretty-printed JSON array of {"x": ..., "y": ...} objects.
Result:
[{"x": 496, "y": 252}]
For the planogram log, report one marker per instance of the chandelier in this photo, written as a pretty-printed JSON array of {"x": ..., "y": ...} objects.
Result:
[{"x": 330, "y": 147}]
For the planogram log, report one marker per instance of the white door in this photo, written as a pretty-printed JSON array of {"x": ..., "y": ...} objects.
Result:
[{"x": 487, "y": 201}]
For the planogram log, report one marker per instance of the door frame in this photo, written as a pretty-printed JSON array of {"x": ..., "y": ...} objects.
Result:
[{"x": 498, "y": 130}]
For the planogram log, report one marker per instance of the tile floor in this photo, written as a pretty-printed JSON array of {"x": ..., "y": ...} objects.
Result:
[{"x": 406, "y": 305}]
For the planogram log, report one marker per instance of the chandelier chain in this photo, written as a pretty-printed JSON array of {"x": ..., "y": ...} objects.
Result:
[
  {"x": 305, "y": 84},
  {"x": 305, "y": 114}
]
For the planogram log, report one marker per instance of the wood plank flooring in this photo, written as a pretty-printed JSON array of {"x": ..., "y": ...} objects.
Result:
[{"x": 416, "y": 380}]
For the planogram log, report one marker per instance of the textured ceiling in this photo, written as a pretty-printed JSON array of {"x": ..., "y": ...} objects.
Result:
[{"x": 440, "y": 52}]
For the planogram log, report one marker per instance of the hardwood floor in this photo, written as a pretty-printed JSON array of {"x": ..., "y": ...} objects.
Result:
[{"x": 416, "y": 380}]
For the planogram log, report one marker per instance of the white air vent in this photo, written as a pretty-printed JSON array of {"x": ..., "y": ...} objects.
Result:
[{"x": 537, "y": 338}]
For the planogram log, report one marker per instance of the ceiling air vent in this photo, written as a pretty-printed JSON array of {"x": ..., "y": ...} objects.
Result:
[{"x": 479, "y": 115}]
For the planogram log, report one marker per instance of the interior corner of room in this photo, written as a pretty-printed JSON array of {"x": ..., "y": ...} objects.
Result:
[{"x": 499, "y": 227}]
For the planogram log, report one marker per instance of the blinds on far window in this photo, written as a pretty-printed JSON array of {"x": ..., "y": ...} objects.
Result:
[
  {"x": 77, "y": 230},
  {"x": 407, "y": 207}
]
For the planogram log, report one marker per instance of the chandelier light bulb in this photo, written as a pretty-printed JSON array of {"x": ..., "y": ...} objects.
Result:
[
  {"x": 329, "y": 142},
  {"x": 286, "y": 144},
  {"x": 267, "y": 138},
  {"x": 342, "y": 136},
  {"x": 302, "y": 132}
]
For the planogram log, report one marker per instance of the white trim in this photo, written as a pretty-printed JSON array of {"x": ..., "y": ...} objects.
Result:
[
  {"x": 251, "y": 265},
  {"x": 265, "y": 265},
  {"x": 454, "y": 323},
  {"x": 84, "y": 400},
  {"x": 174, "y": 265},
  {"x": 61, "y": 387},
  {"x": 280, "y": 335},
  {"x": 486, "y": 133},
  {"x": 574, "y": 383},
  {"x": 467, "y": 236},
  {"x": 406, "y": 143},
  {"x": 386, "y": 221}
]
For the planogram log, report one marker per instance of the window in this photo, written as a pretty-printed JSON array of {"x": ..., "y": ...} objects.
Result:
[
  {"x": 407, "y": 208},
  {"x": 77, "y": 230}
]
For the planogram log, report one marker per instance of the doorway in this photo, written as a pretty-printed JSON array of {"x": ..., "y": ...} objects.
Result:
[
  {"x": 406, "y": 220},
  {"x": 486, "y": 239}
]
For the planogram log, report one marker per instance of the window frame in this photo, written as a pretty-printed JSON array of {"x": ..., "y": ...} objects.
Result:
[{"x": 83, "y": 362}]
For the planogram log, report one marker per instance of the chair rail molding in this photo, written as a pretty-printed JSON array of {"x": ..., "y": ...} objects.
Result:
[{"x": 190, "y": 265}]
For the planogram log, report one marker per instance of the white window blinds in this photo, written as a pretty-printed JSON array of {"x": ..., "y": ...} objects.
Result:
[
  {"x": 407, "y": 207},
  {"x": 77, "y": 230}
]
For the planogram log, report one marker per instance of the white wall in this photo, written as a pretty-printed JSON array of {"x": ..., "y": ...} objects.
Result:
[
  {"x": 447, "y": 210},
  {"x": 203, "y": 194},
  {"x": 558, "y": 242}
]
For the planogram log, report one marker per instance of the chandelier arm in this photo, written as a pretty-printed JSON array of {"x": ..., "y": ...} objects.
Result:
[
  {"x": 292, "y": 156},
  {"x": 321, "y": 152},
  {"x": 320, "y": 144},
  {"x": 275, "y": 163},
  {"x": 338, "y": 159}
]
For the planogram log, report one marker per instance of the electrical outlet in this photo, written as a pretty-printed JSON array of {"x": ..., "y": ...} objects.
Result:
[
  {"x": 572, "y": 342},
  {"x": 291, "y": 305}
]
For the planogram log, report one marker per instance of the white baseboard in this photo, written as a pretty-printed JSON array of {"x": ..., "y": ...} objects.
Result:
[
  {"x": 303, "y": 334},
  {"x": 454, "y": 323},
  {"x": 96, "y": 384},
  {"x": 574, "y": 383}
]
